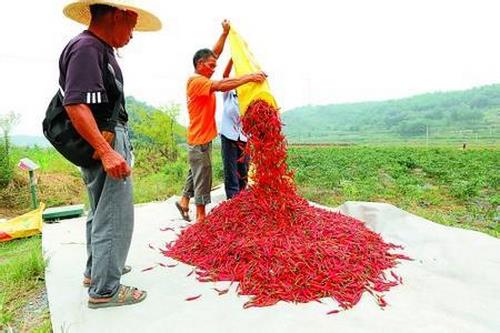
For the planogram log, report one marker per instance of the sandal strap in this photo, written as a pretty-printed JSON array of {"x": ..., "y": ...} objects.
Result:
[
  {"x": 127, "y": 293},
  {"x": 123, "y": 293}
]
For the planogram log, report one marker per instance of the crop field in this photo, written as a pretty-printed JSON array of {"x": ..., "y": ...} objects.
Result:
[{"x": 446, "y": 185}]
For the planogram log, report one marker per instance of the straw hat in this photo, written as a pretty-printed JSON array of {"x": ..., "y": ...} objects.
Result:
[{"x": 80, "y": 12}]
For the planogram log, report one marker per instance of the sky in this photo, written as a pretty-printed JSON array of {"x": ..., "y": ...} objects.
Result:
[{"x": 314, "y": 52}]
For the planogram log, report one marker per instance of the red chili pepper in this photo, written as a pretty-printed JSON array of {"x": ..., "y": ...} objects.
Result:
[
  {"x": 148, "y": 269},
  {"x": 333, "y": 312},
  {"x": 275, "y": 244},
  {"x": 221, "y": 292},
  {"x": 192, "y": 298}
]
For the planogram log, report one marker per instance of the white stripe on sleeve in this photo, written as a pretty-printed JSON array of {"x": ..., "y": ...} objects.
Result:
[
  {"x": 88, "y": 98},
  {"x": 93, "y": 98},
  {"x": 99, "y": 97}
]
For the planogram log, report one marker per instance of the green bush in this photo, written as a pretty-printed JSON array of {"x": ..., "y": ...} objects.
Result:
[{"x": 6, "y": 170}]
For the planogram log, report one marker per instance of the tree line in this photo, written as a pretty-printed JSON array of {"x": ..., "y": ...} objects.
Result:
[{"x": 399, "y": 118}]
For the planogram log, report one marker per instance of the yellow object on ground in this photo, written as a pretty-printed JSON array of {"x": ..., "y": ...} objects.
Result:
[
  {"x": 25, "y": 225},
  {"x": 244, "y": 63}
]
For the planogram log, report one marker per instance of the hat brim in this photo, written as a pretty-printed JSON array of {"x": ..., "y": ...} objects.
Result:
[{"x": 80, "y": 12}]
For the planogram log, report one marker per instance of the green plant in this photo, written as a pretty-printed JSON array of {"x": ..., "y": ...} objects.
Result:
[
  {"x": 7, "y": 123},
  {"x": 156, "y": 130},
  {"x": 6, "y": 170},
  {"x": 442, "y": 184}
]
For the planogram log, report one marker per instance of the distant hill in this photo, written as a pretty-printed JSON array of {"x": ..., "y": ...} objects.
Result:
[
  {"x": 29, "y": 140},
  {"x": 473, "y": 113}
]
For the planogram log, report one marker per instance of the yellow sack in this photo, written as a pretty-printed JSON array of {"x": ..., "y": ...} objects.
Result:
[
  {"x": 244, "y": 63},
  {"x": 25, "y": 225}
]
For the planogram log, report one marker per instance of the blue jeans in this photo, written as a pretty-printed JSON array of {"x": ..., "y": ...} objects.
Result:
[{"x": 235, "y": 169}]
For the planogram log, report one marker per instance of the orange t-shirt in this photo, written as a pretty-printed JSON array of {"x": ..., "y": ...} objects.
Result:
[{"x": 201, "y": 109}]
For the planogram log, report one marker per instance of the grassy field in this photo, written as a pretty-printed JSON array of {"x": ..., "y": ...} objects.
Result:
[
  {"x": 59, "y": 182},
  {"x": 446, "y": 185},
  {"x": 22, "y": 287}
]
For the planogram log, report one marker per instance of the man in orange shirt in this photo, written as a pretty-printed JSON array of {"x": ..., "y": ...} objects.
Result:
[{"x": 202, "y": 129}]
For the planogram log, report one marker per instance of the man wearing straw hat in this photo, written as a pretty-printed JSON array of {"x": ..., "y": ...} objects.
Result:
[{"x": 85, "y": 66}]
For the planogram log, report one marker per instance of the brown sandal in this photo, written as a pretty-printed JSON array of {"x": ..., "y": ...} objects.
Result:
[
  {"x": 124, "y": 296},
  {"x": 87, "y": 281}
]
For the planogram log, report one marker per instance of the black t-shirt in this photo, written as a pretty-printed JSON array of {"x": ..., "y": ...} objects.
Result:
[{"x": 82, "y": 76}]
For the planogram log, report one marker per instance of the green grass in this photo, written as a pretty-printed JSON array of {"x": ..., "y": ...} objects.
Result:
[
  {"x": 59, "y": 182},
  {"x": 446, "y": 185},
  {"x": 48, "y": 159},
  {"x": 155, "y": 179},
  {"x": 21, "y": 276}
]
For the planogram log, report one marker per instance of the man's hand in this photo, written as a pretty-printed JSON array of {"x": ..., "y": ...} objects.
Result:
[
  {"x": 114, "y": 164},
  {"x": 108, "y": 136},
  {"x": 219, "y": 45},
  {"x": 84, "y": 122},
  {"x": 226, "y": 26},
  {"x": 258, "y": 77}
]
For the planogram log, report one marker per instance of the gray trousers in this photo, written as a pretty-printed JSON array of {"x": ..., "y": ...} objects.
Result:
[
  {"x": 110, "y": 222},
  {"x": 199, "y": 179}
]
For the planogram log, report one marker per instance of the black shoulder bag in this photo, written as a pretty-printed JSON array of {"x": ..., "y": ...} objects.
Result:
[{"x": 59, "y": 130}]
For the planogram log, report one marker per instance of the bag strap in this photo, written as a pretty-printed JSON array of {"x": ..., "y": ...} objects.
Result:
[{"x": 119, "y": 86}]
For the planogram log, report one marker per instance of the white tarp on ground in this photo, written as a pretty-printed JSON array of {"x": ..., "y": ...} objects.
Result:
[{"x": 453, "y": 285}]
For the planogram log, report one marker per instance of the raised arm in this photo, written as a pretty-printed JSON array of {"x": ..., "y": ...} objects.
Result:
[
  {"x": 229, "y": 66},
  {"x": 219, "y": 46},
  {"x": 232, "y": 83}
]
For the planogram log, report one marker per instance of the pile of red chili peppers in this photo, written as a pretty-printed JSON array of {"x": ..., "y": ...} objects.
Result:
[{"x": 275, "y": 244}]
